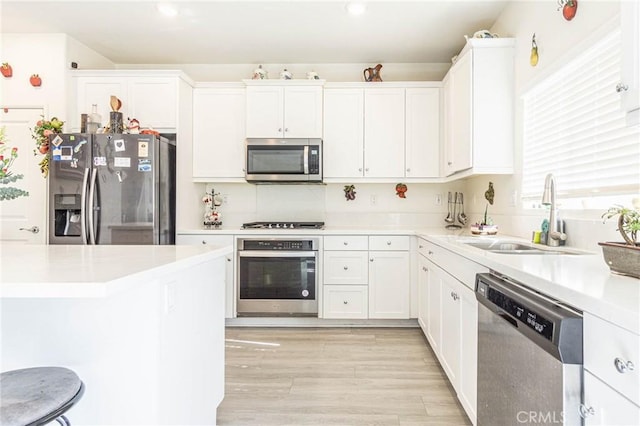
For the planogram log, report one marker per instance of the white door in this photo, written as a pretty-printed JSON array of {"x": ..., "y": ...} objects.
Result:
[
  {"x": 389, "y": 285},
  {"x": 19, "y": 215},
  {"x": 343, "y": 142},
  {"x": 384, "y": 133},
  {"x": 303, "y": 112}
]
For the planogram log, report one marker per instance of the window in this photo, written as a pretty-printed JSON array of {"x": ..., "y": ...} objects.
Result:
[{"x": 575, "y": 128}]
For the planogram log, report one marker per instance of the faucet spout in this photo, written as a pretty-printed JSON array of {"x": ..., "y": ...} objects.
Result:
[{"x": 549, "y": 199}]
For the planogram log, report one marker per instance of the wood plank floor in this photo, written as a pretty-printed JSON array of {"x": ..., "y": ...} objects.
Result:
[{"x": 335, "y": 376}]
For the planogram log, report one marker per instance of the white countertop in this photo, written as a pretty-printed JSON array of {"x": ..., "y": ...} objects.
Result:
[
  {"x": 89, "y": 271},
  {"x": 583, "y": 281}
]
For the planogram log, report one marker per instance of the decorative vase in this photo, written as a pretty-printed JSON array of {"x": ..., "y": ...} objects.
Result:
[
  {"x": 484, "y": 229},
  {"x": 622, "y": 258}
]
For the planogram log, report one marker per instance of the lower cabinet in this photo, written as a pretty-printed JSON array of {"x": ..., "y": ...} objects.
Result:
[
  {"x": 366, "y": 277},
  {"x": 603, "y": 406},
  {"x": 448, "y": 316},
  {"x": 217, "y": 240}
]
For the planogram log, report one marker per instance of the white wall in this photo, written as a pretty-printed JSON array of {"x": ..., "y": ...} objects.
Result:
[{"x": 557, "y": 41}]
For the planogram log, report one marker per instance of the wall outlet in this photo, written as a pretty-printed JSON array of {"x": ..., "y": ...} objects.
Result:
[
  {"x": 374, "y": 199},
  {"x": 225, "y": 198},
  {"x": 438, "y": 199},
  {"x": 514, "y": 198}
]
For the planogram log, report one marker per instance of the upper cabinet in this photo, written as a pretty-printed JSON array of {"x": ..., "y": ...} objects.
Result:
[
  {"x": 629, "y": 86},
  {"x": 479, "y": 109},
  {"x": 218, "y": 132},
  {"x": 381, "y": 131},
  {"x": 151, "y": 97},
  {"x": 284, "y": 109}
]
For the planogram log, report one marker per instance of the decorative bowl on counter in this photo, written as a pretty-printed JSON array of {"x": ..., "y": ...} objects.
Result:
[
  {"x": 622, "y": 258},
  {"x": 484, "y": 229}
]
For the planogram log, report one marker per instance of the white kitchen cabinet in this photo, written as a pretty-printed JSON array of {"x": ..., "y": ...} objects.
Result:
[
  {"x": 218, "y": 132},
  {"x": 287, "y": 110},
  {"x": 382, "y": 133},
  {"x": 389, "y": 284},
  {"x": 150, "y": 96},
  {"x": 423, "y": 293},
  {"x": 343, "y": 140},
  {"x": 630, "y": 79},
  {"x": 468, "y": 388},
  {"x": 450, "y": 319},
  {"x": 384, "y": 122},
  {"x": 217, "y": 240},
  {"x": 479, "y": 109},
  {"x": 422, "y": 132},
  {"x": 345, "y": 301},
  {"x": 434, "y": 307},
  {"x": 603, "y": 406}
]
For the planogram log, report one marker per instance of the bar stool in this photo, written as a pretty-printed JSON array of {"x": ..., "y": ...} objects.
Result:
[{"x": 38, "y": 395}]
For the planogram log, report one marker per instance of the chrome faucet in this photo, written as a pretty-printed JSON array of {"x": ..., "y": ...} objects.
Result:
[{"x": 554, "y": 235}]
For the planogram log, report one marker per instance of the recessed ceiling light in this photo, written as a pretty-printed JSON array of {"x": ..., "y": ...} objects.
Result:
[
  {"x": 167, "y": 10},
  {"x": 356, "y": 8}
]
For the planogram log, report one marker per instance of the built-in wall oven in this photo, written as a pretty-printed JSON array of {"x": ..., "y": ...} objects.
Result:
[{"x": 277, "y": 276}]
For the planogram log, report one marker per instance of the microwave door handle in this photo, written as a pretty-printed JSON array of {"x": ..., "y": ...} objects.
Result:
[
  {"x": 306, "y": 159},
  {"x": 92, "y": 193},
  {"x": 276, "y": 253},
  {"x": 85, "y": 207}
]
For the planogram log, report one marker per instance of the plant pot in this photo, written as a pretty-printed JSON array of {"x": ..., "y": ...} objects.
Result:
[
  {"x": 484, "y": 229},
  {"x": 622, "y": 258}
]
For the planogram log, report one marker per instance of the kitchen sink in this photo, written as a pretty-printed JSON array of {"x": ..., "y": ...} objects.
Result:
[{"x": 515, "y": 247}]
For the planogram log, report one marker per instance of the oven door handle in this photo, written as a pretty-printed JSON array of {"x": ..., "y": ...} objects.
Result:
[{"x": 276, "y": 253}]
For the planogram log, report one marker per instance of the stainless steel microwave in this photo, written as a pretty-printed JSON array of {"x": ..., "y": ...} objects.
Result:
[{"x": 283, "y": 160}]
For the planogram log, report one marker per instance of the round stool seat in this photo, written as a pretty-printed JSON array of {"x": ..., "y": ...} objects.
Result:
[{"x": 37, "y": 395}]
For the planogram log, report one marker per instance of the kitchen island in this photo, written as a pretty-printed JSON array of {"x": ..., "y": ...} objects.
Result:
[{"x": 143, "y": 327}]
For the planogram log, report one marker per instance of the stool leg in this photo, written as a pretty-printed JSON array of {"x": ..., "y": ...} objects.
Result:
[{"x": 63, "y": 421}]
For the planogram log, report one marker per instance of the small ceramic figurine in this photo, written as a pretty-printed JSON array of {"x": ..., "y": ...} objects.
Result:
[
  {"x": 286, "y": 75},
  {"x": 259, "y": 74},
  {"x": 312, "y": 75},
  {"x": 134, "y": 126}
]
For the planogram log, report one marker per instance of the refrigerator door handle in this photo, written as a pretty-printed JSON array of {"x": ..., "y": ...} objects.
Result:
[
  {"x": 83, "y": 203},
  {"x": 92, "y": 192}
]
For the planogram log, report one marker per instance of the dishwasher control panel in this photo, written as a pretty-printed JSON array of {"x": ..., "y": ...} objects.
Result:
[{"x": 525, "y": 315}]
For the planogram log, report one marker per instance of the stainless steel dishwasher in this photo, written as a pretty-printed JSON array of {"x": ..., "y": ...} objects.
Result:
[{"x": 529, "y": 356}]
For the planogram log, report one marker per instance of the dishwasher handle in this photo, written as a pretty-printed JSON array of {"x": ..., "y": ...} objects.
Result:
[{"x": 508, "y": 319}]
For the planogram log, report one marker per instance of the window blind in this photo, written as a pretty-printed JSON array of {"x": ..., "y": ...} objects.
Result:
[{"x": 575, "y": 128}]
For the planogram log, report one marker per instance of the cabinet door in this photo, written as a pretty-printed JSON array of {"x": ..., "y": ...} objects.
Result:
[
  {"x": 345, "y": 267},
  {"x": 450, "y": 345},
  {"x": 467, "y": 393},
  {"x": 343, "y": 141},
  {"x": 384, "y": 132},
  {"x": 458, "y": 100},
  {"x": 603, "y": 406},
  {"x": 218, "y": 132},
  {"x": 389, "y": 284},
  {"x": 434, "y": 309},
  {"x": 153, "y": 101},
  {"x": 303, "y": 112},
  {"x": 422, "y": 132},
  {"x": 423, "y": 293},
  {"x": 345, "y": 301},
  {"x": 98, "y": 91},
  {"x": 265, "y": 112}
]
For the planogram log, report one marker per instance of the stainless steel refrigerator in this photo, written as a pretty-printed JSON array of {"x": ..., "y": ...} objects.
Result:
[{"x": 112, "y": 189}]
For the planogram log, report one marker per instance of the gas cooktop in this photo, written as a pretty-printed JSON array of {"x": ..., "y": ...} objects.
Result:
[{"x": 283, "y": 225}]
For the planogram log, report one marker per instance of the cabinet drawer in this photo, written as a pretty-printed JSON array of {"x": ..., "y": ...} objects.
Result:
[
  {"x": 346, "y": 242},
  {"x": 345, "y": 267},
  {"x": 612, "y": 354},
  {"x": 345, "y": 301},
  {"x": 389, "y": 242},
  {"x": 463, "y": 269},
  {"x": 214, "y": 240}
]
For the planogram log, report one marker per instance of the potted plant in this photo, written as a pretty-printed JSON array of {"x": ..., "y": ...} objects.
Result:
[{"x": 624, "y": 257}]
